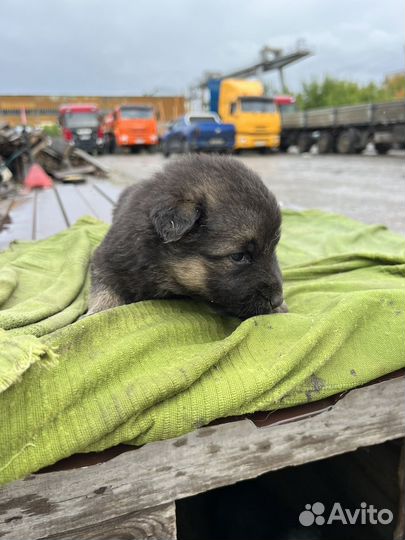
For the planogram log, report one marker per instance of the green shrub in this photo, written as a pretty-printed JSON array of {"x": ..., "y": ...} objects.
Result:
[{"x": 53, "y": 130}]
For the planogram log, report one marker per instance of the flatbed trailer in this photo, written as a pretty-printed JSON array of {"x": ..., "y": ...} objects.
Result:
[{"x": 346, "y": 130}]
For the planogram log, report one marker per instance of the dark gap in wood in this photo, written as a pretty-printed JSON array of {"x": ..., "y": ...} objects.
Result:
[
  {"x": 87, "y": 202},
  {"x": 109, "y": 199},
  {"x": 61, "y": 206},
  {"x": 269, "y": 505},
  {"x": 101, "y": 205}
]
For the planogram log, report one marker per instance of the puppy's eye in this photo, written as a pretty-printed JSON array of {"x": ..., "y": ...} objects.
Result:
[{"x": 241, "y": 257}]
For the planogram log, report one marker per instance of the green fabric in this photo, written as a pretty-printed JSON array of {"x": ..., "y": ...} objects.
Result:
[{"x": 158, "y": 369}]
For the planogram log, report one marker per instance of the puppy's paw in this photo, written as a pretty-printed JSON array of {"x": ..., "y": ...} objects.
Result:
[{"x": 102, "y": 298}]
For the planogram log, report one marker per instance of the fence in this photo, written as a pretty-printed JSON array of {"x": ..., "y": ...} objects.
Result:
[{"x": 44, "y": 109}]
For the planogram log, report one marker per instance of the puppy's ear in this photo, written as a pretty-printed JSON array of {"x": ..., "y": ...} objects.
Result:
[{"x": 172, "y": 222}]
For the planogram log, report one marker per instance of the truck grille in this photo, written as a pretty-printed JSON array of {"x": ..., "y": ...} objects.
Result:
[{"x": 139, "y": 132}]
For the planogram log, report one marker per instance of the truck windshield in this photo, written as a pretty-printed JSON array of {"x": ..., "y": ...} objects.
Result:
[
  {"x": 81, "y": 120},
  {"x": 133, "y": 113},
  {"x": 202, "y": 120},
  {"x": 257, "y": 105},
  {"x": 289, "y": 108}
]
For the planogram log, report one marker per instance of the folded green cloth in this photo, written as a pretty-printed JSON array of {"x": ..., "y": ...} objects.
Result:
[{"x": 158, "y": 369}]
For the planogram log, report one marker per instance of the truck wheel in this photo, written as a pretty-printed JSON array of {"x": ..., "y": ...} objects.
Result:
[
  {"x": 265, "y": 151},
  {"x": 346, "y": 143},
  {"x": 382, "y": 148},
  {"x": 304, "y": 143},
  {"x": 165, "y": 150},
  {"x": 111, "y": 144},
  {"x": 325, "y": 143},
  {"x": 186, "y": 147}
]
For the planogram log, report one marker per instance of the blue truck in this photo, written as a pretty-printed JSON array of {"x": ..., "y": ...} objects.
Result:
[{"x": 198, "y": 132}]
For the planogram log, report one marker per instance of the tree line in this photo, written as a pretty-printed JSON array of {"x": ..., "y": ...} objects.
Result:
[{"x": 332, "y": 92}]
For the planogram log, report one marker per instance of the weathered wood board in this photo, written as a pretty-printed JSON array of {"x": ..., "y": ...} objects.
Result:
[
  {"x": 43, "y": 505},
  {"x": 42, "y": 213}
]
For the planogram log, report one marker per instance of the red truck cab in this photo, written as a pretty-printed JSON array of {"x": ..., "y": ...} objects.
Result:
[
  {"x": 81, "y": 126},
  {"x": 285, "y": 104},
  {"x": 131, "y": 126}
]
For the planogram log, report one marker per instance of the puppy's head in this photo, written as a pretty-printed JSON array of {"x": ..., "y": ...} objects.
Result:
[{"x": 218, "y": 227}]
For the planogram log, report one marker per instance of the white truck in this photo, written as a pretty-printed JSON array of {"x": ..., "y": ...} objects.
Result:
[{"x": 346, "y": 130}]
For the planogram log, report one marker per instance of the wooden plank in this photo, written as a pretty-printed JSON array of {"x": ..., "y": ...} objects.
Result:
[
  {"x": 49, "y": 216},
  {"x": 39, "y": 147},
  {"x": 77, "y": 152},
  {"x": 110, "y": 191},
  {"x": 74, "y": 205},
  {"x": 19, "y": 225},
  {"x": 42, "y": 213},
  {"x": 214, "y": 456},
  {"x": 61, "y": 175},
  {"x": 100, "y": 206},
  {"x": 156, "y": 523}
]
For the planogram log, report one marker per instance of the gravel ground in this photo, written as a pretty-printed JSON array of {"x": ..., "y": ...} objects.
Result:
[{"x": 367, "y": 187}]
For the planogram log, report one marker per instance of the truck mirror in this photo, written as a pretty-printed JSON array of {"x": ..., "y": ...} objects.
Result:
[{"x": 232, "y": 108}]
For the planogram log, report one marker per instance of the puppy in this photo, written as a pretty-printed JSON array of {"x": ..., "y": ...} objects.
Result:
[{"x": 205, "y": 227}]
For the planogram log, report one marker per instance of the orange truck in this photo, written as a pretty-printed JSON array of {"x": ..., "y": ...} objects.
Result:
[{"x": 131, "y": 126}]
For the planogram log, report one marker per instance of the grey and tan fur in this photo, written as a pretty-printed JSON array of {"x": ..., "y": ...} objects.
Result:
[{"x": 204, "y": 227}]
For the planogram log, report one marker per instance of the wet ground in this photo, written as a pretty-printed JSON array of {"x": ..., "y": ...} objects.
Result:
[{"x": 370, "y": 188}]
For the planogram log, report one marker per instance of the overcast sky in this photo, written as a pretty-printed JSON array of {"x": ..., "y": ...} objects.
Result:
[{"x": 135, "y": 47}]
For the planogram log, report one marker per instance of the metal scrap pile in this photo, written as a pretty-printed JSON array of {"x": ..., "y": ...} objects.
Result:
[
  {"x": 16, "y": 146},
  {"x": 20, "y": 147}
]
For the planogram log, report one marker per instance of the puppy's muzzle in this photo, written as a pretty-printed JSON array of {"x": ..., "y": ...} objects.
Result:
[{"x": 273, "y": 295}]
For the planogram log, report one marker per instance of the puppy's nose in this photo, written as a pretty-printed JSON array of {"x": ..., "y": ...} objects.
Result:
[
  {"x": 276, "y": 299},
  {"x": 272, "y": 295}
]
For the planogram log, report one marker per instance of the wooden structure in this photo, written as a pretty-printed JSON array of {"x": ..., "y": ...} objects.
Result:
[{"x": 130, "y": 493}]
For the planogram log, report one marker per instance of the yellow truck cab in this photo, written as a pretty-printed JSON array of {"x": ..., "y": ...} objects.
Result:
[{"x": 256, "y": 118}]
